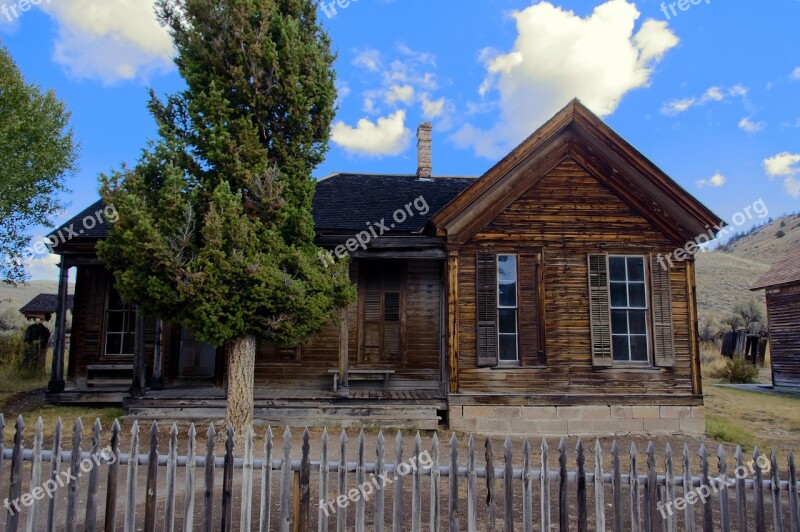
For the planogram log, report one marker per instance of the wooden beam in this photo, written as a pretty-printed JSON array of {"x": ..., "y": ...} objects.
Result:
[
  {"x": 343, "y": 387},
  {"x": 158, "y": 378},
  {"x": 694, "y": 338},
  {"x": 57, "y": 383},
  {"x": 452, "y": 320},
  {"x": 138, "y": 383}
]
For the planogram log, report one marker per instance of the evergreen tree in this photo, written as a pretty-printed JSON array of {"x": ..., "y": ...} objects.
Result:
[{"x": 215, "y": 230}]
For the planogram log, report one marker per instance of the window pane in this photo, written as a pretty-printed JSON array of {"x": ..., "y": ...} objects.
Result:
[
  {"x": 639, "y": 348},
  {"x": 507, "y": 320},
  {"x": 635, "y": 269},
  {"x": 616, "y": 266},
  {"x": 619, "y": 295},
  {"x": 638, "y": 321},
  {"x": 115, "y": 321},
  {"x": 621, "y": 348},
  {"x": 637, "y": 298},
  {"x": 127, "y": 344},
  {"x": 619, "y": 322},
  {"x": 508, "y": 347},
  {"x": 113, "y": 344},
  {"x": 507, "y": 294},
  {"x": 507, "y": 268}
]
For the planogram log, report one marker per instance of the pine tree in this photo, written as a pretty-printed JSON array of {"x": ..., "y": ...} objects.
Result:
[{"x": 215, "y": 230}]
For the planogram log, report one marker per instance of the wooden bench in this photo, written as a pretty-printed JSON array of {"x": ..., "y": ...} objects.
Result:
[{"x": 364, "y": 375}]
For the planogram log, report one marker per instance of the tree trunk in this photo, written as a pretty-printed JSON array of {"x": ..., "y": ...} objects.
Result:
[{"x": 241, "y": 355}]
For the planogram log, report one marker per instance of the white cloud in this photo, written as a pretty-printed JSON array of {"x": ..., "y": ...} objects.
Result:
[
  {"x": 400, "y": 93},
  {"x": 558, "y": 56},
  {"x": 786, "y": 165},
  {"x": 369, "y": 59},
  {"x": 112, "y": 40},
  {"x": 387, "y": 136},
  {"x": 796, "y": 73},
  {"x": 751, "y": 127},
  {"x": 44, "y": 268},
  {"x": 712, "y": 94},
  {"x": 422, "y": 57},
  {"x": 432, "y": 108},
  {"x": 716, "y": 181}
]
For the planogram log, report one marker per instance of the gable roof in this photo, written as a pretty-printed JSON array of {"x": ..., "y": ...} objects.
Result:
[
  {"x": 785, "y": 271},
  {"x": 44, "y": 304},
  {"x": 575, "y": 132}
]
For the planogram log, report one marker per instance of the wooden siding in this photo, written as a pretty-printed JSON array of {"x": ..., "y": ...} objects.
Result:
[
  {"x": 783, "y": 305},
  {"x": 421, "y": 367},
  {"x": 570, "y": 214}
]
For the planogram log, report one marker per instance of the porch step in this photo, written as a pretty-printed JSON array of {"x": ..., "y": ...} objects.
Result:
[{"x": 100, "y": 375}]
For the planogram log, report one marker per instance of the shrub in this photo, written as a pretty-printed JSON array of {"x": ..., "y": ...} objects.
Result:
[
  {"x": 783, "y": 223},
  {"x": 737, "y": 371},
  {"x": 12, "y": 348},
  {"x": 780, "y": 234}
]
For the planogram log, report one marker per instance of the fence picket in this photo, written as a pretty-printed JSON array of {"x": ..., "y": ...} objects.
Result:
[
  {"x": 2, "y": 447},
  {"x": 15, "y": 486},
  {"x": 452, "y": 480},
  {"x": 416, "y": 488},
  {"x": 110, "y": 522},
  {"x": 651, "y": 491},
  {"x": 227, "y": 482},
  {"x": 397, "y": 503},
  {"x": 287, "y": 482},
  {"x": 55, "y": 471},
  {"x": 490, "y": 486},
  {"x": 563, "y": 494},
  {"x": 581, "y": 486},
  {"x": 599, "y": 489},
  {"x": 90, "y": 521},
  {"x": 208, "y": 494},
  {"x": 36, "y": 476},
  {"x": 708, "y": 516},
  {"x": 151, "y": 495},
  {"x": 172, "y": 473},
  {"x": 544, "y": 479},
  {"x": 266, "y": 482},
  {"x": 322, "y": 517},
  {"x": 616, "y": 487},
  {"x": 472, "y": 486},
  {"x": 741, "y": 492},
  {"x": 758, "y": 493},
  {"x": 74, "y": 470},
  {"x": 776, "y": 494},
  {"x": 361, "y": 475},
  {"x": 722, "y": 480},
  {"x": 132, "y": 480},
  {"x": 246, "y": 517},
  {"x": 380, "y": 492},
  {"x": 191, "y": 470},
  {"x": 508, "y": 486},
  {"x": 669, "y": 490},
  {"x": 636, "y": 519},
  {"x": 689, "y": 519},
  {"x": 527, "y": 488},
  {"x": 435, "y": 485},
  {"x": 341, "y": 513},
  {"x": 794, "y": 515},
  {"x": 305, "y": 483}
]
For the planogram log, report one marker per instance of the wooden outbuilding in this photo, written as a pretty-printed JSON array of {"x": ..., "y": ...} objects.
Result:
[
  {"x": 534, "y": 299},
  {"x": 782, "y": 286}
]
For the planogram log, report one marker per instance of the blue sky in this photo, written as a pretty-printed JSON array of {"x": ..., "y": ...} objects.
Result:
[{"x": 708, "y": 92}]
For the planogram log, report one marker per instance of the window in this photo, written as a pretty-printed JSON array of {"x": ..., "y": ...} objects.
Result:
[
  {"x": 507, "y": 308},
  {"x": 120, "y": 326},
  {"x": 628, "y": 292}
]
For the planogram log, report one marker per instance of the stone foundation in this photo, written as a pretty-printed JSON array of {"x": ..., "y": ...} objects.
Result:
[{"x": 594, "y": 420}]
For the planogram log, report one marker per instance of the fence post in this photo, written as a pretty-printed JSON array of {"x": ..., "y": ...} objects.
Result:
[
  {"x": 322, "y": 518},
  {"x": 227, "y": 482},
  {"x": 508, "y": 486},
  {"x": 151, "y": 495},
  {"x": 397, "y": 503},
  {"x": 191, "y": 467},
  {"x": 305, "y": 482},
  {"x": 435, "y": 485},
  {"x": 580, "y": 461},
  {"x": 758, "y": 493},
  {"x": 341, "y": 515},
  {"x": 472, "y": 487},
  {"x": 15, "y": 487},
  {"x": 599, "y": 489},
  {"x": 777, "y": 514},
  {"x": 90, "y": 521},
  {"x": 527, "y": 488},
  {"x": 208, "y": 495},
  {"x": 453, "y": 482},
  {"x": 172, "y": 472},
  {"x": 246, "y": 517},
  {"x": 722, "y": 480},
  {"x": 490, "y": 485},
  {"x": 741, "y": 491},
  {"x": 669, "y": 484},
  {"x": 794, "y": 516},
  {"x": 266, "y": 483},
  {"x": 687, "y": 487},
  {"x": 636, "y": 518},
  {"x": 132, "y": 481},
  {"x": 36, "y": 478},
  {"x": 361, "y": 475},
  {"x": 563, "y": 494},
  {"x": 380, "y": 493},
  {"x": 616, "y": 487},
  {"x": 416, "y": 488},
  {"x": 2, "y": 447},
  {"x": 286, "y": 482},
  {"x": 544, "y": 479},
  {"x": 110, "y": 522},
  {"x": 651, "y": 491},
  {"x": 74, "y": 470}
]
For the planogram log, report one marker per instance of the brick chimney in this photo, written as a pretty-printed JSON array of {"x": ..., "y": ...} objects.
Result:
[{"x": 424, "y": 141}]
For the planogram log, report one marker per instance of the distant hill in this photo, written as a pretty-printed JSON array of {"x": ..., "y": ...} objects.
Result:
[
  {"x": 15, "y": 297},
  {"x": 724, "y": 276}
]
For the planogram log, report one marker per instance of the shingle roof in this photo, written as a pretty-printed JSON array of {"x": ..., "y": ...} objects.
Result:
[
  {"x": 44, "y": 304},
  {"x": 785, "y": 271},
  {"x": 342, "y": 203}
]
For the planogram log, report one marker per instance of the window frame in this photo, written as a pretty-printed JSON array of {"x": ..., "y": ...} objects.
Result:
[
  {"x": 517, "y": 361},
  {"x": 647, "y": 309},
  {"x": 127, "y": 311}
]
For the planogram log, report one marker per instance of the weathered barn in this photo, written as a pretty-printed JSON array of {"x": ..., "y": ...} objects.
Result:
[
  {"x": 782, "y": 286},
  {"x": 529, "y": 300},
  {"x": 43, "y": 306}
]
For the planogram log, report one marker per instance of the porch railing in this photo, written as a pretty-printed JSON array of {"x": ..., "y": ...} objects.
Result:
[{"x": 460, "y": 486}]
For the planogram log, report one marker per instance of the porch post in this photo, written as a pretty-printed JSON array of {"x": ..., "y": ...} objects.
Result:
[
  {"x": 57, "y": 383},
  {"x": 452, "y": 319},
  {"x": 158, "y": 382},
  {"x": 343, "y": 386},
  {"x": 138, "y": 383}
]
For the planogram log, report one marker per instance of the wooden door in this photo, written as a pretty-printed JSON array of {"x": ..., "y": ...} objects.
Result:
[
  {"x": 382, "y": 298},
  {"x": 197, "y": 359}
]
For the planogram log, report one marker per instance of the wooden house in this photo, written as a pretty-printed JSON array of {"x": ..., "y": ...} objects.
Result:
[
  {"x": 782, "y": 286},
  {"x": 533, "y": 299}
]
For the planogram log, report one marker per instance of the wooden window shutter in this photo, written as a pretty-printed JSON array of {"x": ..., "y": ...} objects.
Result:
[
  {"x": 663, "y": 332},
  {"x": 486, "y": 291},
  {"x": 600, "y": 311},
  {"x": 531, "y": 343}
]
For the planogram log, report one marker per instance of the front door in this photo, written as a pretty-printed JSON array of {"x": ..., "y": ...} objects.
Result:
[
  {"x": 382, "y": 330},
  {"x": 198, "y": 359}
]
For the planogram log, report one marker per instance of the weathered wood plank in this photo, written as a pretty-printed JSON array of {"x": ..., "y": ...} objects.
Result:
[
  {"x": 669, "y": 490},
  {"x": 581, "y": 487},
  {"x": 324, "y": 496},
  {"x": 90, "y": 520},
  {"x": 112, "y": 483},
  {"x": 189, "y": 483},
  {"x": 341, "y": 512},
  {"x": 416, "y": 487},
  {"x": 266, "y": 483},
  {"x": 361, "y": 476},
  {"x": 722, "y": 480},
  {"x": 708, "y": 516},
  {"x": 208, "y": 493},
  {"x": 527, "y": 488},
  {"x": 172, "y": 473},
  {"x": 491, "y": 504},
  {"x": 36, "y": 477},
  {"x": 777, "y": 513},
  {"x": 15, "y": 485},
  {"x": 544, "y": 479},
  {"x": 794, "y": 514},
  {"x": 380, "y": 492},
  {"x": 435, "y": 495},
  {"x": 287, "y": 483},
  {"x": 599, "y": 489},
  {"x": 758, "y": 493},
  {"x": 305, "y": 484},
  {"x": 508, "y": 486},
  {"x": 741, "y": 492},
  {"x": 151, "y": 493},
  {"x": 131, "y": 490},
  {"x": 563, "y": 493},
  {"x": 616, "y": 487},
  {"x": 651, "y": 491},
  {"x": 689, "y": 514},
  {"x": 636, "y": 518},
  {"x": 2, "y": 448},
  {"x": 74, "y": 470},
  {"x": 397, "y": 503},
  {"x": 246, "y": 517},
  {"x": 227, "y": 482},
  {"x": 452, "y": 479}
]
